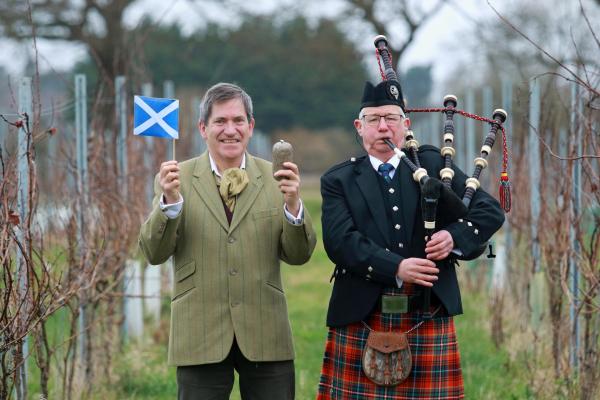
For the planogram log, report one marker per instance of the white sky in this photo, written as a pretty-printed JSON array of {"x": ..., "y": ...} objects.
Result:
[{"x": 435, "y": 43}]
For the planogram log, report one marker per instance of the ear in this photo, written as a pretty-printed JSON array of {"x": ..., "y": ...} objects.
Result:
[
  {"x": 202, "y": 129},
  {"x": 407, "y": 123},
  {"x": 358, "y": 126},
  {"x": 251, "y": 127}
]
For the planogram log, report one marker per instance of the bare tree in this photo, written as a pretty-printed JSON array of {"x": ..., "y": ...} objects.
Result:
[
  {"x": 96, "y": 24},
  {"x": 398, "y": 20},
  {"x": 59, "y": 271},
  {"x": 556, "y": 43},
  {"x": 530, "y": 38}
]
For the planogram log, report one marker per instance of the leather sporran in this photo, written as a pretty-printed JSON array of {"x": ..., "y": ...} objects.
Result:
[{"x": 386, "y": 358}]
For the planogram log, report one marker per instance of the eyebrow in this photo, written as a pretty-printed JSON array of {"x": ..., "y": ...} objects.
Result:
[{"x": 234, "y": 118}]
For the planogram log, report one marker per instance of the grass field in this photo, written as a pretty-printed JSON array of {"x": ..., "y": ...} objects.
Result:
[{"x": 488, "y": 373}]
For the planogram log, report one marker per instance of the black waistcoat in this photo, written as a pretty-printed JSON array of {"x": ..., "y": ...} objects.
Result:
[{"x": 391, "y": 194}]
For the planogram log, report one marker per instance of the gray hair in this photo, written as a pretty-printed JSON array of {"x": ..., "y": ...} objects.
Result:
[{"x": 223, "y": 92}]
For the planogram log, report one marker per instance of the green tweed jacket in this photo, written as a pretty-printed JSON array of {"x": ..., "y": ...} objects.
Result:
[{"x": 227, "y": 278}]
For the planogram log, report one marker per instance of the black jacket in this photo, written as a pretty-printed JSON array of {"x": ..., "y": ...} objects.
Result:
[{"x": 357, "y": 238}]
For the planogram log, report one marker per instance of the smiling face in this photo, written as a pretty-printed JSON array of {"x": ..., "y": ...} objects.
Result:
[
  {"x": 227, "y": 133},
  {"x": 372, "y": 136}
]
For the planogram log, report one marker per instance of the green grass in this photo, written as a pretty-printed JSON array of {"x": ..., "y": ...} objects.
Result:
[
  {"x": 488, "y": 373},
  {"x": 142, "y": 373}
]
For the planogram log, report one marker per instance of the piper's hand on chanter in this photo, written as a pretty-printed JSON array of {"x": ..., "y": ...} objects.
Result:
[
  {"x": 418, "y": 270},
  {"x": 290, "y": 186},
  {"x": 169, "y": 181},
  {"x": 440, "y": 245}
]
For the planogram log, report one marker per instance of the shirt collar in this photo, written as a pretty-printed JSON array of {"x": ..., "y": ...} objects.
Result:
[
  {"x": 376, "y": 162},
  {"x": 213, "y": 165}
]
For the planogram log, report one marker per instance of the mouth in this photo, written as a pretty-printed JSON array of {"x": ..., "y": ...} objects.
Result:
[{"x": 229, "y": 141}]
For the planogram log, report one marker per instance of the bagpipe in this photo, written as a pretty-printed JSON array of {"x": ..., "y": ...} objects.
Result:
[{"x": 437, "y": 192}]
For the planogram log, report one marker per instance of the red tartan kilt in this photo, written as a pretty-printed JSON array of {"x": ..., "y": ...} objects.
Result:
[{"x": 435, "y": 374}]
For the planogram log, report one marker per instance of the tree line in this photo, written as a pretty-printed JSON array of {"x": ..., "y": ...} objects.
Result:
[{"x": 297, "y": 75}]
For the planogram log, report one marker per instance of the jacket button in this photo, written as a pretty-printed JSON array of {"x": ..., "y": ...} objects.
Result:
[
  {"x": 370, "y": 269},
  {"x": 231, "y": 240},
  {"x": 233, "y": 272}
]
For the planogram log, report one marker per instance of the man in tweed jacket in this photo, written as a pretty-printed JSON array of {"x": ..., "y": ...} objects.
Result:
[
  {"x": 373, "y": 231},
  {"x": 227, "y": 223}
]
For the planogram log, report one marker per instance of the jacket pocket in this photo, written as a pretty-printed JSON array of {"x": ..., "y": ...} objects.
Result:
[
  {"x": 265, "y": 213},
  {"x": 274, "y": 286},
  {"x": 184, "y": 281}
]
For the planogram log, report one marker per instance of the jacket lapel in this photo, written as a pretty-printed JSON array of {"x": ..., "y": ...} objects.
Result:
[
  {"x": 372, "y": 194},
  {"x": 206, "y": 187},
  {"x": 248, "y": 195}
]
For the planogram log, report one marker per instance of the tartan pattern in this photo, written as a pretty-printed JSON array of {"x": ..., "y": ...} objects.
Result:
[{"x": 436, "y": 372}]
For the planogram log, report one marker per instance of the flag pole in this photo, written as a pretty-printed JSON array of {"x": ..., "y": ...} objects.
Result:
[{"x": 174, "y": 140}]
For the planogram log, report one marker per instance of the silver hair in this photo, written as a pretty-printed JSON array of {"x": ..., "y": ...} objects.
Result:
[{"x": 221, "y": 92}]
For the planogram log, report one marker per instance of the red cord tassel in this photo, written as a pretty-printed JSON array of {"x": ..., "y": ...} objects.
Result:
[{"x": 505, "y": 196}]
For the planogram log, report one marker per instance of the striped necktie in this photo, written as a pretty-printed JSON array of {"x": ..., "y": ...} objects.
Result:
[{"x": 384, "y": 170}]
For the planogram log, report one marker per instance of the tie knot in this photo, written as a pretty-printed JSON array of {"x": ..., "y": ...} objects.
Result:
[{"x": 385, "y": 169}]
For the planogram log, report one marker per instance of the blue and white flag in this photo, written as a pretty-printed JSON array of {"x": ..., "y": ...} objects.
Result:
[{"x": 156, "y": 117}]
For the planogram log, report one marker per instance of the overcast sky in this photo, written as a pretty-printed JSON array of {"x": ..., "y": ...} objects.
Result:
[{"x": 435, "y": 43}]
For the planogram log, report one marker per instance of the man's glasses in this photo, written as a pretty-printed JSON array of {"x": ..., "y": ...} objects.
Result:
[{"x": 393, "y": 120}]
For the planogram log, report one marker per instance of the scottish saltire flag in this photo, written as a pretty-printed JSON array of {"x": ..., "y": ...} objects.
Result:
[{"x": 156, "y": 117}]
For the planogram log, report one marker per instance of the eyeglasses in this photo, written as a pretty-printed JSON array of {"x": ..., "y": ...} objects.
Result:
[{"x": 373, "y": 120}]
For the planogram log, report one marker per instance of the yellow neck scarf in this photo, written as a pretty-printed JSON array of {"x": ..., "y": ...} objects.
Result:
[{"x": 232, "y": 182}]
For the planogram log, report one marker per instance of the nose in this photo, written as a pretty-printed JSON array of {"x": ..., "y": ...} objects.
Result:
[
  {"x": 384, "y": 126},
  {"x": 229, "y": 128}
]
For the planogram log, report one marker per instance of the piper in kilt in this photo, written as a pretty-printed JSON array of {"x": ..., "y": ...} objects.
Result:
[{"x": 374, "y": 233}]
